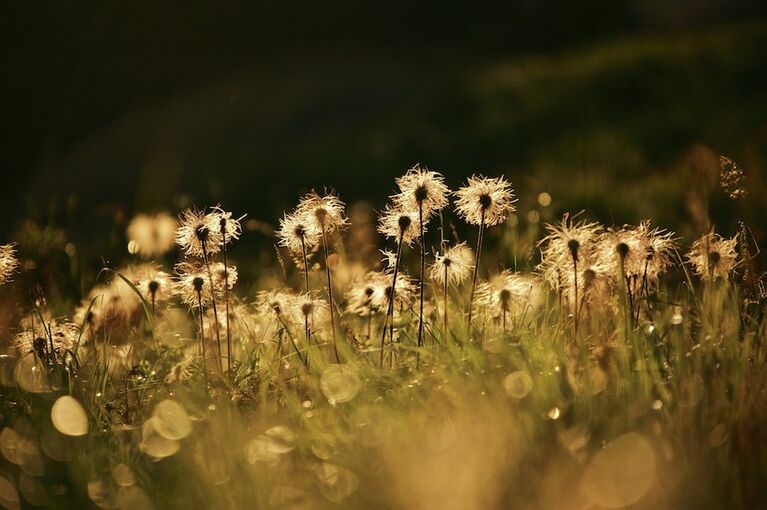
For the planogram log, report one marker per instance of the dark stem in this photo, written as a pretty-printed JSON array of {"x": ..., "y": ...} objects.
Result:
[
  {"x": 423, "y": 262},
  {"x": 202, "y": 341},
  {"x": 226, "y": 299},
  {"x": 575, "y": 283},
  {"x": 330, "y": 293},
  {"x": 390, "y": 308},
  {"x": 308, "y": 339},
  {"x": 306, "y": 263},
  {"x": 444, "y": 314},
  {"x": 480, "y": 235},
  {"x": 213, "y": 300}
]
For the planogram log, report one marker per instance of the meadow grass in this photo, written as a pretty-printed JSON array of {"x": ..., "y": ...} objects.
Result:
[{"x": 605, "y": 390}]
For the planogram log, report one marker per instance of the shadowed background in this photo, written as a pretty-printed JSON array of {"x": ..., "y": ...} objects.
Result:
[{"x": 620, "y": 108}]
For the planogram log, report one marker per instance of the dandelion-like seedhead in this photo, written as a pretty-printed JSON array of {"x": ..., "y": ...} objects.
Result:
[
  {"x": 322, "y": 213},
  {"x": 485, "y": 199},
  {"x": 661, "y": 246},
  {"x": 8, "y": 262},
  {"x": 309, "y": 306},
  {"x": 229, "y": 227},
  {"x": 199, "y": 233},
  {"x": 298, "y": 232},
  {"x": 63, "y": 334},
  {"x": 397, "y": 223},
  {"x": 623, "y": 251},
  {"x": 421, "y": 188},
  {"x": 369, "y": 295},
  {"x": 566, "y": 241},
  {"x": 151, "y": 235},
  {"x": 456, "y": 262},
  {"x": 154, "y": 284},
  {"x": 196, "y": 282},
  {"x": 506, "y": 292},
  {"x": 713, "y": 256}
]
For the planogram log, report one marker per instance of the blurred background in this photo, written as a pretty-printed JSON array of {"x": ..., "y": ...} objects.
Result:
[{"x": 621, "y": 108}]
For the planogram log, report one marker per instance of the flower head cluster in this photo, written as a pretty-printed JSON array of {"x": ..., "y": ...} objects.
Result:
[
  {"x": 322, "y": 213},
  {"x": 202, "y": 234},
  {"x": 506, "y": 293},
  {"x": 369, "y": 295},
  {"x": 63, "y": 334},
  {"x": 713, "y": 256},
  {"x": 151, "y": 235},
  {"x": 567, "y": 242},
  {"x": 198, "y": 284},
  {"x": 485, "y": 200},
  {"x": 453, "y": 266},
  {"x": 155, "y": 285},
  {"x": 298, "y": 234},
  {"x": 421, "y": 191},
  {"x": 400, "y": 224}
]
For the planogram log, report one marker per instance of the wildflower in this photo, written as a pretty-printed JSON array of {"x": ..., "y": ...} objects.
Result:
[
  {"x": 197, "y": 284},
  {"x": 63, "y": 335},
  {"x": 312, "y": 310},
  {"x": 485, "y": 201},
  {"x": 399, "y": 224},
  {"x": 624, "y": 251},
  {"x": 453, "y": 266},
  {"x": 199, "y": 234},
  {"x": 322, "y": 213},
  {"x": 275, "y": 302},
  {"x": 369, "y": 295},
  {"x": 298, "y": 234},
  {"x": 229, "y": 228},
  {"x": 713, "y": 256},
  {"x": 155, "y": 286},
  {"x": 151, "y": 235},
  {"x": 506, "y": 294},
  {"x": 568, "y": 242},
  {"x": 659, "y": 249},
  {"x": 8, "y": 262},
  {"x": 421, "y": 189}
]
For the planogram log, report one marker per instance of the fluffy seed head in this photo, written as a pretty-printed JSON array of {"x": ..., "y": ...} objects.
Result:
[
  {"x": 457, "y": 262},
  {"x": 198, "y": 230},
  {"x": 566, "y": 241},
  {"x": 297, "y": 232},
  {"x": 485, "y": 197},
  {"x": 322, "y": 212},
  {"x": 713, "y": 257},
  {"x": 422, "y": 188},
  {"x": 396, "y": 222}
]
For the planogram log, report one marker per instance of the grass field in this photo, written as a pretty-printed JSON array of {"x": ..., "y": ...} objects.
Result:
[
  {"x": 506, "y": 349},
  {"x": 615, "y": 372}
]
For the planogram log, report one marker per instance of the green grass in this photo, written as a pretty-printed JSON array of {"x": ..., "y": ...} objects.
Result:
[{"x": 667, "y": 412}]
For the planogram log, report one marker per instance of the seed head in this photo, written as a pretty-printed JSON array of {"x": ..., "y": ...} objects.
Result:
[{"x": 484, "y": 197}]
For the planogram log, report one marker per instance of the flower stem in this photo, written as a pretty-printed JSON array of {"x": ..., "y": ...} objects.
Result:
[
  {"x": 226, "y": 299},
  {"x": 390, "y": 308},
  {"x": 480, "y": 236},
  {"x": 423, "y": 262},
  {"x": 330, "y": 293},
  {"x": 213, "y": 301}
]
